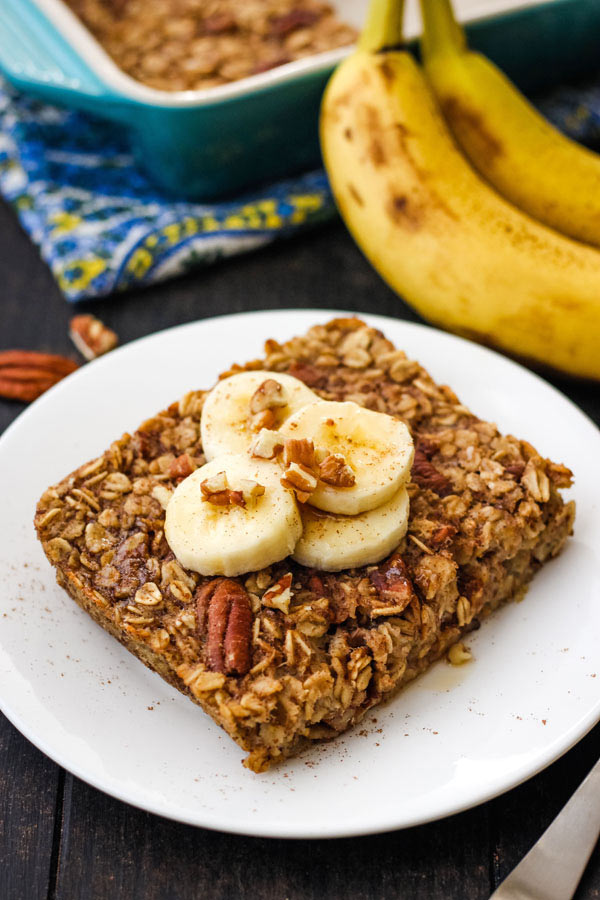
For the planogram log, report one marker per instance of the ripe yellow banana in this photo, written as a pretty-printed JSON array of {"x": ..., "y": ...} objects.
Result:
[
  {"x": 461, "y": 255},
  {"x": 529, "y": 161}
]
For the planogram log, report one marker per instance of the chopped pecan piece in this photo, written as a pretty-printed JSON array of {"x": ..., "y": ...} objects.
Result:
[
  {"x": 216, "y": 490},
  {"x": 393, "y": 584},
  {"x": 427, "y": 476},
  {"x": 26, "y": 374},
  {"x": 443, "y": 534},
  {"x": 264, "y": 420},
  {"x": 301, "y": 473},
  {"x": 266, "y": 444},
  {"x": 335, "y": 470},
  {"x": 300, "y": 451},
  {"x": 91, "y": 336},
  {"x": 301, "y": 480},
  {"x": 224, "y": 616},
  {"x": 251, "y": 490},
  {"x": 312, "y": 376},
  {"x": 219, "y": 23},
  {"x": 268, "y": 395},
  {"x": 296, "y": 18},
  {"x": 182, "y": 466},
  {"x": 278, "y": 596},
  {"x": 515, "y": 468},
  {"x": 315, "y": 583}
]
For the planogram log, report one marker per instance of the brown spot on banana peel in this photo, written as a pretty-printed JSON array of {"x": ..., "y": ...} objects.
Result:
[
  {"x": 404, "y": 213},
  {"x": 387, "y": 71},
  {"x": 333, "y": 111},
  {"x": 378, "y": 157},
  {"x": 370, "y": 123},
  {"x": 468, "y": 121},
  {"x": 355, "y": 195}
]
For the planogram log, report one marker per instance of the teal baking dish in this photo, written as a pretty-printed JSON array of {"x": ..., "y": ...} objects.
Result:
[{"x": 207, "y": 144}]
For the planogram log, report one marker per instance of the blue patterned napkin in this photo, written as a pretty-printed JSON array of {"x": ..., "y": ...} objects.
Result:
[{"x": 102, "y": 226}]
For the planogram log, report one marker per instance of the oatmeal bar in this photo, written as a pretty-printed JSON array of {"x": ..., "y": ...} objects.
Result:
[
  {"x": 317, "y": 649},
  {"x": 177, "y": 45}
]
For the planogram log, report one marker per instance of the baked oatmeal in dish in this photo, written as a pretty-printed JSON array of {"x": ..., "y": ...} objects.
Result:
[
  {"x": 292, "y": 653},
  {"x": 179, "y": 45}
]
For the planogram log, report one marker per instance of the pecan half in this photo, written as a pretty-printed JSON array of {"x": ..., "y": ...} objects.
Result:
[
  {"x": 91, "y": 336},
  {"x": 26, "y": 374},
  {"x": 224, "y": 616},
  {"x": 427, "y": 476}
]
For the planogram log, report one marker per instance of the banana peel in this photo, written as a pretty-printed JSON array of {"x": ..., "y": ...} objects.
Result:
[
  {"x": 462, "y": 256},
  {"x": 528, "y": 160}
]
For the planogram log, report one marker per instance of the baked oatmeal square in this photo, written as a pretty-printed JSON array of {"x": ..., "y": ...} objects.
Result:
[{"x": 287, "y": 655}]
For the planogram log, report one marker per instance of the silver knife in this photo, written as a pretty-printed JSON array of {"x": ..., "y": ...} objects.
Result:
[{"x": 553, "y": 867}]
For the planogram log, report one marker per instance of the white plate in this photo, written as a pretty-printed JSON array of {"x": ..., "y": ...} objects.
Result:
[{"x": 453, "y": 739}]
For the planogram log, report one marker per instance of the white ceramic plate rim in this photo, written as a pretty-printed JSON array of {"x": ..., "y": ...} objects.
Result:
[
  {"x": 283, "y": 324},
  {"x": 86, "y": 45}
]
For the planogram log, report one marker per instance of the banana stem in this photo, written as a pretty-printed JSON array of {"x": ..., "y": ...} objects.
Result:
[
  {"x": 442, "y": 34},
  {"x": 383, "y": 27}
]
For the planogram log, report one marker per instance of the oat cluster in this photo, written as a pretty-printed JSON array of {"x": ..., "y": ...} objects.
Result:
[
  {"x": 178, "y": 45},
  {"x": 288, "y": 655}
]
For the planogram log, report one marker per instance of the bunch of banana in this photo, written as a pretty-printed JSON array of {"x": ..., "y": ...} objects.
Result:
[
  {"x": 529, "y": 161},
  {"x": 337, "y": 528},
  {"x": 464, "y": 257}
]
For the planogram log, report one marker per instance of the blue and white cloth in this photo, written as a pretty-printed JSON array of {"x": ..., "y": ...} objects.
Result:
[{"x": 103, "y": 227}]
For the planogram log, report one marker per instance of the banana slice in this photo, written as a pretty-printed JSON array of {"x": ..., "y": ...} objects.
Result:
[
  {"x": 332, "y": 543},
  {"x": 216, "y": 537},
  {"x": 377, "y": 448},
  {"x": 239, "y": 406}
]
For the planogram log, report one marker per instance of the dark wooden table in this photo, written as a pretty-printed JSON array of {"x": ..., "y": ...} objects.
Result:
[{"x": 60, "y": 839}]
